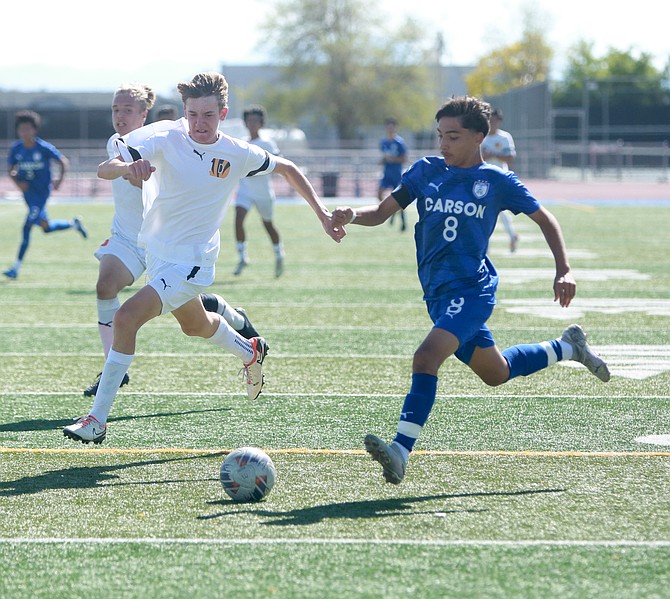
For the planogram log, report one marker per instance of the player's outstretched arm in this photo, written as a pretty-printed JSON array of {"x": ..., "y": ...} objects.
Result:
[
  {"x": 297, "y": 180},
  {"x": 565, "y": 286},
  {"x": 368, "y": 216},
  {"x": 116, "y": 167}
]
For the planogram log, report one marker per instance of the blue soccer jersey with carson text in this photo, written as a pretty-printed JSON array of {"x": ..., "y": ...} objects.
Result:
[
  {"x": 33, "y": 165},
  {"x": 458, "y": 210}
]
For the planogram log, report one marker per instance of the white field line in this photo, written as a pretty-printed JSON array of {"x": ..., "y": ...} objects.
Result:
[{"x": 500, "y": 543}]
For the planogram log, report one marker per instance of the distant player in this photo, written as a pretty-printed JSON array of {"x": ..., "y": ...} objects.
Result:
[
  {"x": 189, "y": 170},
  {"x": 394, "y": 155},
  {"x": 29, "y": 162},
  {"x": 459, "y": 198},
  {"x": 498, "y": 148},
  {"x": 258, "y": 192}
]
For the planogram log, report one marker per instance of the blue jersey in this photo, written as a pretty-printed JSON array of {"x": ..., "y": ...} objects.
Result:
[
  {"x": 458, "y": 210},
  {"x": 33, "y": 165},
  {"x": 394, "y": 148}
]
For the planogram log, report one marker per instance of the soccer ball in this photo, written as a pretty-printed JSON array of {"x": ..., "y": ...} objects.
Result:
[{"x": 247, "y": 474}]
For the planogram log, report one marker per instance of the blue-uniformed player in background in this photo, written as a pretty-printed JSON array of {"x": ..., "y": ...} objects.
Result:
[
  {"x": 459, "y": 198},
  {"x": 29, "y": 164},
  {"x": 394, "y": 155}
]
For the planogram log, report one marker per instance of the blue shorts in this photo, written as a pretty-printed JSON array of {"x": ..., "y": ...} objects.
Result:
[
  {"x": 465, "y": 318},
  {"x": 389, "y": 181},
  {"x": 36, "y": 214}
]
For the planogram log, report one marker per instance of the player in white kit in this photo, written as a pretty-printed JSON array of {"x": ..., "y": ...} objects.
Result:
[
  {"x": 189, "y": 168},
  {"x": 122, "y": 262}
]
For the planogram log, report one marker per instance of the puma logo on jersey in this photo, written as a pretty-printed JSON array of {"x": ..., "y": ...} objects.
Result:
[
  {"x": 198, "y": 153},
  {"x": 437, "y": 187},
  {"x": 165, "y": 285}
]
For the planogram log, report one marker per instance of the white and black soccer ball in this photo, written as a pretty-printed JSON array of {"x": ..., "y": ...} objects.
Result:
[{"x": 247, "y": 474}]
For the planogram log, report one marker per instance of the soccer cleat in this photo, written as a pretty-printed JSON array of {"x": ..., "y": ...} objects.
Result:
[
  {"x": 248, "y": 331},
  {"x": 93, "y": 388},
  {"x": 86, "y": 429},
  {"x": 241, "y": 265},
  {"x": 388, "y": 456},
  {"x": 253, "y": 371},
  {"x": 582, "y": 352},
  {"x": 77, "y": 224},
  {"x": 11, "y": 273},
  {"x": 279, "y": 266}
]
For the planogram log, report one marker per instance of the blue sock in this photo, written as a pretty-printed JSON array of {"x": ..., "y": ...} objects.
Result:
[
  {"x": 529, "y": 358},
  {"x": 58, "y": 225},
  {"x": 418, "y": 404}
]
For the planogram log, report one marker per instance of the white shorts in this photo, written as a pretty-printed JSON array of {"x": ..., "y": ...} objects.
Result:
[
  {"x": 133, "y": 257},
  {"x": 177, "y": 284},
  {"x": 265, "y": 206}
]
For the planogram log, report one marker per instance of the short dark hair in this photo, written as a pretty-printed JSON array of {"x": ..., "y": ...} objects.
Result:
[
  {"x": 204, "y": 85},
  {"x": 473, "y": 113},
  {"x": 166, "y": 111},
  {"x": 255, "y": 109},
  {"x": 497, "y": 112},
  {"x": 390, "y": 121},
  {"x": 27, "y": 116}
]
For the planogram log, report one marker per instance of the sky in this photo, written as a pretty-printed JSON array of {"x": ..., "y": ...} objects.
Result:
[{"x": 88, "y": 45}]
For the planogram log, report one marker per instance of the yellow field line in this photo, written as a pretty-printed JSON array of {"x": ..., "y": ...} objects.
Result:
[{"x": 308, "y": 451}]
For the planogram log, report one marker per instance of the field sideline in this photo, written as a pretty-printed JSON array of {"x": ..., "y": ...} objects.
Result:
[{"x": 554, "y": 485}]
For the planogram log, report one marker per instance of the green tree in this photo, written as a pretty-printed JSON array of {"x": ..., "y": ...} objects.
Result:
[
  {"x": 343, "y": 69},
  {"x": 624, "y": 75},
  {"x": 522, "y": 63}
]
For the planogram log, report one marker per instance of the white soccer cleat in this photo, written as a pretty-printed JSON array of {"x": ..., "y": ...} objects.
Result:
[
  {"x": 253, "y": 371},
  {"x": 388, "y": 456},
  {"x": 86, "y": 429},
  {"x": 582, "y": 352}
]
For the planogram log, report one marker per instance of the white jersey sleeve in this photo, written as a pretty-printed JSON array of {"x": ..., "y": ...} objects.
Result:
[{"x": 128, "y": 208}]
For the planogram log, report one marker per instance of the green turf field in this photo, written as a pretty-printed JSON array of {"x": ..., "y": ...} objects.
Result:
[{"x": 537, "y": 488}]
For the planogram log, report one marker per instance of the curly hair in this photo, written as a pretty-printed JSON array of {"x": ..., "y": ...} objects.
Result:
[{"x": 139, "y": 92}]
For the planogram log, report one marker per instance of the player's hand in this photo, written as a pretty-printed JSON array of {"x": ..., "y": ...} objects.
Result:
[
  {"x": 342, "y": 216},
  {"x": 335, "y": 231},
  {"x": 140, "y": 170},
  {"x": 564, "y": 289}
]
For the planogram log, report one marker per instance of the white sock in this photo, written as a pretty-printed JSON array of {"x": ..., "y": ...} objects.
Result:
[
  {"x": 227, "y": 338},
  {"x": 242, "y": 251},
  {"x": 106, "y": 310},
  {"x": 116, "y": 366},
  {"x": 566, "y": 348},
  {"x": 232, "y": 316},
  {"x": 278, "y": 249}
]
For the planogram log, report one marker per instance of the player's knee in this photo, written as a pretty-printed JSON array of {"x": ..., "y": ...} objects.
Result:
[
  {"x": 424, "y": 361},
  {"x": 105, "y": 288}
]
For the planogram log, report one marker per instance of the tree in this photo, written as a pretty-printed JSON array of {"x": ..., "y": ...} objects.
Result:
[
  {"x": 520, "y": 64},
  {"x": 344, "y": 70},
  {"x": 624, "y": 95}
]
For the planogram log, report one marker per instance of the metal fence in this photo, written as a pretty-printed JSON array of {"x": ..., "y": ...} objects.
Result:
[{"x": 355, "y": 173}]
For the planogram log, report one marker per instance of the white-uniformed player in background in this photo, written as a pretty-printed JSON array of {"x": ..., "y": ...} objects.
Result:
[
  {"x": 190, "y": 169},
  {"x": 498, "y": 148},
  {"x": 122, "y": 262},
  {"x": 257, "y": 191}
]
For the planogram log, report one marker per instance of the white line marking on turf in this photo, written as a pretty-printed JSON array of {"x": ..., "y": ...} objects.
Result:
[
  {"x": 504, "y": 543},
  {"x": 654, "y": 439}
]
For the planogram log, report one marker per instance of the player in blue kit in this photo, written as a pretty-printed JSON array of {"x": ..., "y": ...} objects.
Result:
[
  {"x": 394, "y": 155},
  {"x": 458, "y": 199},
  {"x": 29, "y": 163}
]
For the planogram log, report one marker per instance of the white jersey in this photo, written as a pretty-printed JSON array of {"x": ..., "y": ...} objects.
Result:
[
  {"x": 258, "y": 188},
  {"x": 127, "y": 202},
  {"x": 500, "y": 143},
  {"x": 186, "y": 199}
]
